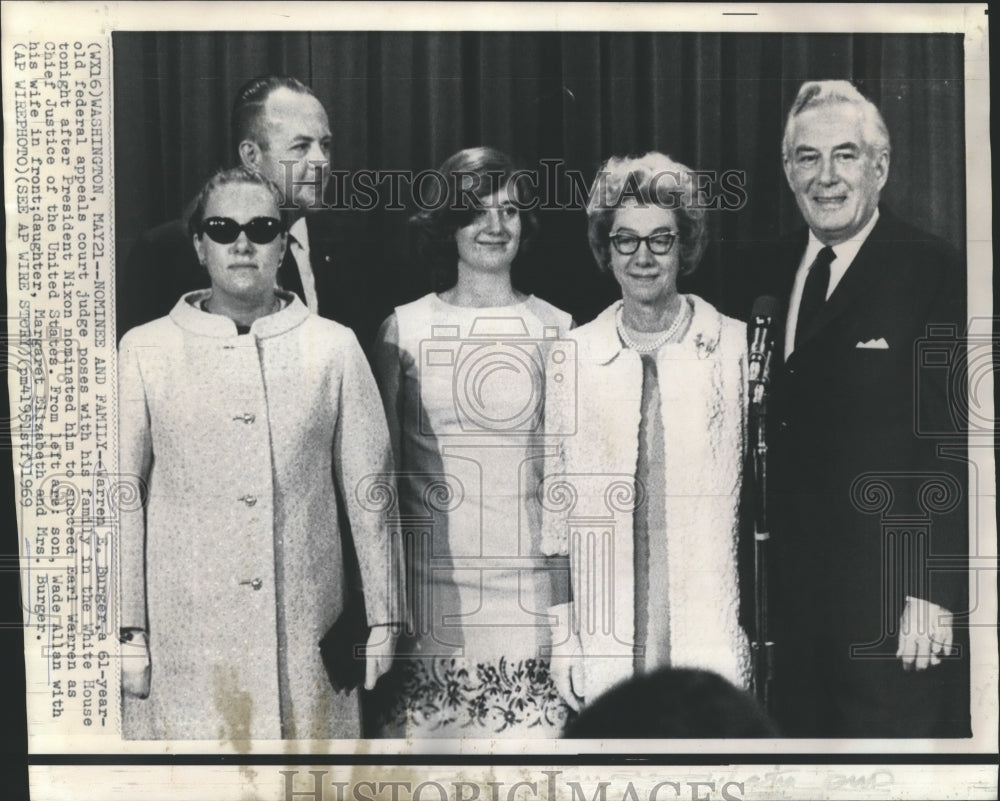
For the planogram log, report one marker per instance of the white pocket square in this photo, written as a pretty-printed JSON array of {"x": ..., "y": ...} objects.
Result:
[{"x": 874, "y": 344}]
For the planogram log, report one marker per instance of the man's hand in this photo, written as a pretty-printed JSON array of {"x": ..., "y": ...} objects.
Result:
[
  {"x": 925, "y": 634},
  {"x": 136, "y": 664},
  {"x": 378, "y": 653}
]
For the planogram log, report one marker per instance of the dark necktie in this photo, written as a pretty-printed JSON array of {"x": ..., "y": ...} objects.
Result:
[
  {"x": 288, "y": 273},
  {"x": 814, "y": 292}
]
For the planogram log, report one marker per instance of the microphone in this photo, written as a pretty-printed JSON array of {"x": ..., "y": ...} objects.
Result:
[{"x": 765, "y": 315}]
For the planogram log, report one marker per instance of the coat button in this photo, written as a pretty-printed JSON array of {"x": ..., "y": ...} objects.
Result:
[{"x": 249, "y": 500}]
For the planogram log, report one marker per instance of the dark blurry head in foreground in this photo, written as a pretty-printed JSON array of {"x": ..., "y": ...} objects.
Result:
[{"x": 673, "y": 702}]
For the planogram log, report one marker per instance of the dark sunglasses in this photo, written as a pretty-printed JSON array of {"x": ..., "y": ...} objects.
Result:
[{"x": 225, "y": 230}]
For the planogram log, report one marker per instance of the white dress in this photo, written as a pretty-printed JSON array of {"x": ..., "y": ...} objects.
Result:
[{"x": 470, "y": 455}]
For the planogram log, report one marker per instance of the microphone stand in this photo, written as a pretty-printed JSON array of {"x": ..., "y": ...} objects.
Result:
[{"x": 762, "y": 647}]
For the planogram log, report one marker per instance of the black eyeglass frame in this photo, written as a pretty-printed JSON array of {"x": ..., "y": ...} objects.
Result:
[{"x": 657, "y": 250}]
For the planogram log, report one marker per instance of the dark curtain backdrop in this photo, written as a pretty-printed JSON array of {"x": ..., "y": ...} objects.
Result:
[{"x": 406, "y": 101}]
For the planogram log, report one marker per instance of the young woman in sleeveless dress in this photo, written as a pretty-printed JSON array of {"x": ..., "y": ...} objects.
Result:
[{"x": 462, "y": 375}]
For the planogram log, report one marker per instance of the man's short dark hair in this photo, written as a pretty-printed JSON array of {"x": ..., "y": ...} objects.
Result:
[{"x": 248, "y": 106}]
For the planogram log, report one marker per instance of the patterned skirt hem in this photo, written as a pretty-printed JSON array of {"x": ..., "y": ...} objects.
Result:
[{"x": 461, "y": 698}]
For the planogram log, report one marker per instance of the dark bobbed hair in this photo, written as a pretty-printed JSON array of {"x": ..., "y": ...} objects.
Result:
[
  {"x": 452, "y": 200},
  {"x": 673, "y": 702},
  {"x": 234, "y": 175},
  {"x": 654, "y": 179},
  {"x": 248, "y": 106}
]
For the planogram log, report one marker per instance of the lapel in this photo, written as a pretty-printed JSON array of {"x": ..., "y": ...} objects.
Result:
[
  {"x": 321, "y": 260},
  {"x": 616, "y": 372},
  {"x": 780, "y": 266},
  {"x": 320, "y": 242},
  {"x": 788, "y": 260},
  {"x": 288, "y": 274},
  {"x": 864, "y": 270}
]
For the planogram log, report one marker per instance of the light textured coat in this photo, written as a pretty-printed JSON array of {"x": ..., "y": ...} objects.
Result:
[
  {"x": 238, "y": 558},
  {"x": 590, "y": 494}
]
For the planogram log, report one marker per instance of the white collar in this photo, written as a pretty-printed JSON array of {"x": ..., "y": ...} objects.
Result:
[
  {"x": 300, "y": 232},
  {"x": 188, "y": 314},
  {"x": 846, "y": 251}
]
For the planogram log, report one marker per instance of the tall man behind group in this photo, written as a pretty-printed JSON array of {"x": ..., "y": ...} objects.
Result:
[
  {"x": 865, "y": 641},
  {"x": 281, "y": 130}
]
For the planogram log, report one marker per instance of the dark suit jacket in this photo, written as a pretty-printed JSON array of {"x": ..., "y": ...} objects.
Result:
[
  {"x": 863, "y": 508},
  {"x": 163, "y": 265}
]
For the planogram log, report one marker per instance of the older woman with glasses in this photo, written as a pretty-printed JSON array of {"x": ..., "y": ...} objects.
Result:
[
  {"x": 644, "y": 495},
  {"x": 241, "y": 417}
]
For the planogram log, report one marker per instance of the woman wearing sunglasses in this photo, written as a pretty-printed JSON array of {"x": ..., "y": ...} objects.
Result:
[
  {"x": 462, "y": 372},
  {"x": 239, "y": 413},
  {"x": 658, "y": 450}
]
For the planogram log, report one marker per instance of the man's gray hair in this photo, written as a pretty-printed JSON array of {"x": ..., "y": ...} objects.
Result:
[{"x": 823, "y": 93}]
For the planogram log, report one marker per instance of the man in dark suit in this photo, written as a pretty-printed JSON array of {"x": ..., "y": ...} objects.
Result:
[
  {"x": 869, "y": 522},
  {"x": 282, "y": 131}
]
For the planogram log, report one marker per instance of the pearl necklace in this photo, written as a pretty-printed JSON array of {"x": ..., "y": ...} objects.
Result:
[{"x": 665, "y": 337}]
